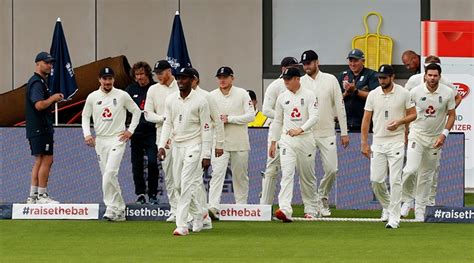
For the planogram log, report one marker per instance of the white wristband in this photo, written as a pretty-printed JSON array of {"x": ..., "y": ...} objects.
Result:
[{"x": 445, "y": 133}]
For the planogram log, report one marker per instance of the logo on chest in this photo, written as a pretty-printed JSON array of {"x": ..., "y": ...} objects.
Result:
[
  {"x": 295, "y": 114},
  {"x": 107, "y": 114},
  {"x": 430, "y": 112}
]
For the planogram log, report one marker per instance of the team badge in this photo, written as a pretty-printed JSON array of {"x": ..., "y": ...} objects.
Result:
[
  {"x": 115, "y": 102},
  {"x": 180, "y": 118},
  {"x": 302, "y": 101},
  {"x": 440, "y": 99}
]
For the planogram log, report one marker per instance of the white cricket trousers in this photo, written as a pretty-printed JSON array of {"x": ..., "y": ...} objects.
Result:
[
  {"x": 389, "y": 155},
  {"x": 171, "y": 188},
  {"x": 409, "y": 186},
  {"x": 297, "y": 153},
  {"x": 240, "y": 179},
  {"x": 270, "y": 177},
  {"x": 327, "y": 147},
  {"x": 187, "y": 169},
  {"x": 109, "y": 153},
  {"x": 422, "y": 162}
]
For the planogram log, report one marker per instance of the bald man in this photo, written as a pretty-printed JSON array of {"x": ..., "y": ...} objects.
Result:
[{"x": 411, "y": 60}]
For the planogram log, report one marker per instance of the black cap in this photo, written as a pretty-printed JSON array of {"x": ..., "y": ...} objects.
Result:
[
  {"x": 44, "y": 56},
  {"x": 385, "y": 70},
  {"x": 105, "y": 72},
  {"x": 356, "y": 53},
  {"x": 195, "y": 72},
  {"x": 288, "y": 61},
  {"x": 290, "y": 73},
  {"x": 161, "y": 65},
  {"x": 224, "y": 71},
  {"x": 308, "y": 55},
  {"x": 188, "y": 72}
]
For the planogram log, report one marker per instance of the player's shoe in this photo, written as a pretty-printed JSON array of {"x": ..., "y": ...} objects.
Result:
[
  {"x": 385, "y": 215},
  {"x": 280, "y": 214},
  {"x": 154, "y": 200},
  {"x": 207, "y": 223},
  {"x": 197, "y": 225},
  {"x": 31, "y": 200},
  {"x": 325, "y": 211},
  {"x": 181, "y": 232},
  {"x": 406, "y": 207},
  {"x": 391, "y": 225},
  {"x": 419, "y": 217},
  {"x": 171, "y": 218},
  {"x": 141, "y": 200},
  {"x": 118, "y": 217},
  {"x": 312, "y": 215},
  {"x": 214, "y": 213},
  {"x": 45, "y": 199}
]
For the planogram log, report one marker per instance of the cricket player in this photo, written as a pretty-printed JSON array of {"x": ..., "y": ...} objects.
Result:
[
  {"x": 329, "y": 97},
  {"x": 154, "y": 112},
  {"x": 217, "y": 131},
  {"x": 427, "y": 134},
  {"x": 187, "y": 120},
  {"x": 235, "y": 111},
  {"x": 296, "y": 112},
  {"x": 390, "y": 108},
  {"x": 108, "y": 107},
  {"x": 409, "y": 184},
  {"x": 270, "y": 176}
]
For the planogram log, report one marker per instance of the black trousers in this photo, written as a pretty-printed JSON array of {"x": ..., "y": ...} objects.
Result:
[{"x": 142, "y": 145}]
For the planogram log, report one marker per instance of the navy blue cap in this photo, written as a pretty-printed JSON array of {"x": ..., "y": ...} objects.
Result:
[
  {"x": 308, "y": 56},
  {"x": 44, "y": 56},
  {"x": 288, "y": 61},
  {"x": 356, "y": 53},
  {"x": 106, "y": 72},
  {"x": 161, "y": 65},
  {"x": 224, "y": 71},
  {"x": 188, "y": 72},
  {"x": 290, "y": 73},
  {"x": 385, "y": 70}
]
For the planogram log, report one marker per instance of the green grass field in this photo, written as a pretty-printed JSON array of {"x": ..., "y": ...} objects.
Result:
[{"x": 100, "y": 241}]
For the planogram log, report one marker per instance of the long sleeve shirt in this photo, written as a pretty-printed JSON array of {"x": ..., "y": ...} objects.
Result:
[
  {"x": 189, "y": 121},
  {"x": 329, "y": 98},
  {"x": 109, "y": 112},
  {"x": 218, "y": 125},
  {"x": 238, "y": 106},
  {"x": 293, "y": 111},
  {"x": 155, "y": 104}
]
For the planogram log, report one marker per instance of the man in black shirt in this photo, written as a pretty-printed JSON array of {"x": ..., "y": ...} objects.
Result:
[
  {"x": 143, "y": 140},
  {"x": 39, "y": 128},
  {"x": 356, "y": 82}
]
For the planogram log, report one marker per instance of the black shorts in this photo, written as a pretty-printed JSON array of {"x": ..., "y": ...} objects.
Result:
[{"x": 42, "y": 144}]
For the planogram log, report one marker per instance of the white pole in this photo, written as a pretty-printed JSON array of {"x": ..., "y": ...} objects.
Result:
[{"x": 56, "y": 122}]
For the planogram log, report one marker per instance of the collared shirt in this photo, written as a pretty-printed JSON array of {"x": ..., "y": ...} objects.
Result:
[
  {"x": 189, "y": 121},
  {"x": 365, "y": 81},
  {"x": 293, "y": 111},
  {"x": 419, "y": 79},
  {"x": 274, "y": 90},
  {"x": 386, "y": 108},
  {"x": 431, "y": 109},
  {"x": 329, "y": 97},
  {"x": 109, "y": 111},
  {"x": 155, "y": 104},
  {"x": 217, "y": 124},
  {"x": 239, "y": 108}
]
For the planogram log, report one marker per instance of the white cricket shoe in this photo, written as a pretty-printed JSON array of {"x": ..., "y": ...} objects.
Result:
[
  {"x": 325, "y": 211},
  {"x": 207, "y": 223},
  {"x": 391, "y": 225},
  {"x": 118, "y": 217},
  {"x": 419, "y": 217},
  {"x": 45, "y": 199},
  {"x": 385, "y": 215},
  {"x": 214, "y": 213},
  {"x": 171, "y": 218},
  {"x": 31, "y": 200},
  {"x": 406, "y": 207},
  {"x": 181, "y": 232},
  {"x": 197, "y": 225}
]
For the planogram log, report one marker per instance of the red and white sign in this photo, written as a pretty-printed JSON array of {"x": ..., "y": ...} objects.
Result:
[
  {"x": 231, "y": 212},
  {"x": 55, "y": 211}
]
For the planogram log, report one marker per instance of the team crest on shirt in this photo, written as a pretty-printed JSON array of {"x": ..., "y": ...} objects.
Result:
[
  {"x": 107, "y": 114},
  {"x": 115, "y": 102},
  {"x": 302, "y": 101},
  {"x": 316, "y": 103},
  {"x": 180, "y": 118},
  {"x": 430, "y": 112},
  {"x": 295, "y": 114},
  {"x": 440, "y": 99}
]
